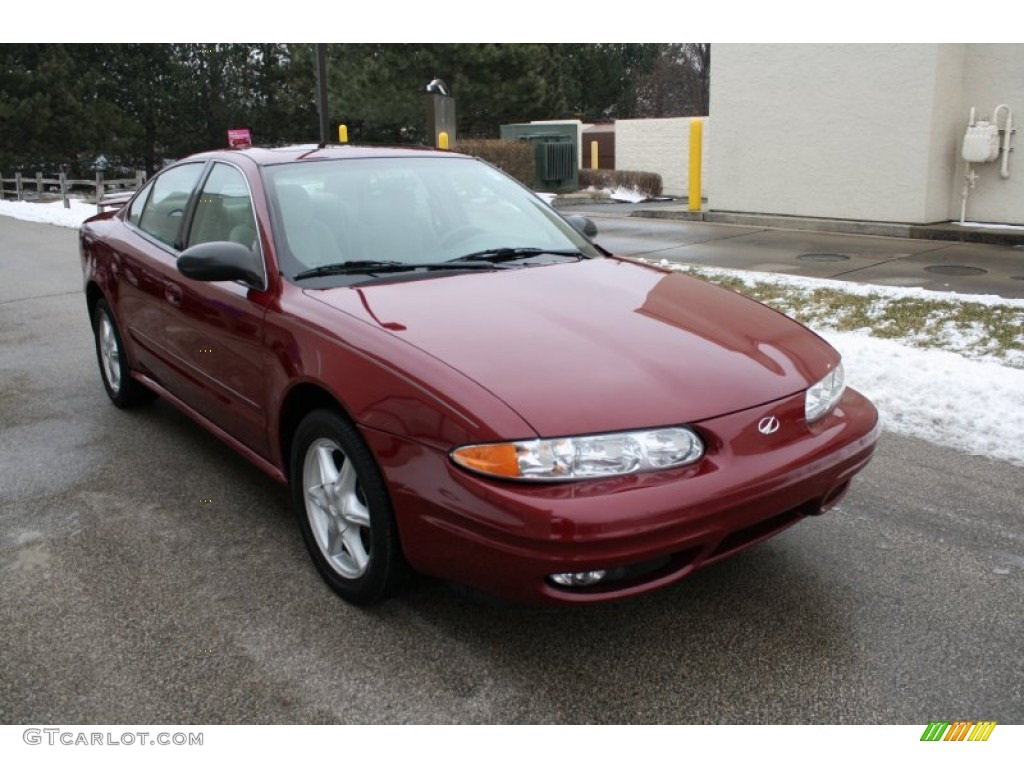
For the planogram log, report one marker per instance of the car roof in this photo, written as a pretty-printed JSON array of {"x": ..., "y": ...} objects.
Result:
[{"x": 312, "y": 152}]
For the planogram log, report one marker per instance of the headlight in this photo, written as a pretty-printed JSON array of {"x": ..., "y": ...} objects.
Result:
[
  {"x": 581, "y": 458},
  {"x": 823, "y": 396}
]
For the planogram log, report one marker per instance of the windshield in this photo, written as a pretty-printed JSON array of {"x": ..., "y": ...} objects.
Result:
[{"x": 410, "y": 211}]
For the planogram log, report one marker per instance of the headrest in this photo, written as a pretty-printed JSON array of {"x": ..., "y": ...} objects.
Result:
[{"x": 295, "y": 206}]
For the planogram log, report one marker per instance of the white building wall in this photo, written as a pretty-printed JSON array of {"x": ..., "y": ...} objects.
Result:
[
  {"x": 836, "y": 131},
  {"x": 993, "y": 75},
  {"x": 661, "y": 145},
  {"x": 947, "y": 130},
  {"x": 865, "y": 132}
]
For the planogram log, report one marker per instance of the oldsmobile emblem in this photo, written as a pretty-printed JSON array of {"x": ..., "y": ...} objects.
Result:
[{"x": 769, "y": 425}]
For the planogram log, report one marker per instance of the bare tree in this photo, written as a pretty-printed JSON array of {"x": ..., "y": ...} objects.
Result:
[{"x": 678, "y": 84}]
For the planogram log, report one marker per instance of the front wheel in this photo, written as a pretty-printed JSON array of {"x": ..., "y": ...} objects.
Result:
[
  {"x": 344, "y": 510},
  {"x": 122, "y": 389}
]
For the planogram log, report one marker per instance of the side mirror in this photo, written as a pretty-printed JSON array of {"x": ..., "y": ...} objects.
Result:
[
  {"x": 221, "y": 260},
  {"x": 582, "y": 224}
]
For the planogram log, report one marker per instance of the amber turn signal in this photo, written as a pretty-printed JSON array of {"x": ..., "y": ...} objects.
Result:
[{"x": 499, "y": 459}]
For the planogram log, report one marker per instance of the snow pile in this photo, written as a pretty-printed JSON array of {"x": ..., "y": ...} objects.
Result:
[
  {"x": 624, "y": 195},
  {"x": 939, "y": 396},
  {"x": 49, "y": 213},
  {"x": 619, "y": 194}
]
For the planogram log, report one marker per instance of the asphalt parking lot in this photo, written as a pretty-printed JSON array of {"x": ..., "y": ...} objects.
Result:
[{"x": 151, "y": 575}]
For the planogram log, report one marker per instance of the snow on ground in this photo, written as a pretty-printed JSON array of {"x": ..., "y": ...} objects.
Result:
[
  {"x": 49, "y": 213},
  {"x": 857, "y": 289},
  {"x": 971, "y": 405}
]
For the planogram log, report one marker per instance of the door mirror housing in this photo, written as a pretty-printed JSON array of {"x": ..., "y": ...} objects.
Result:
[
  {"x": 221, "y": 260},
  {"x": 582, "y": 224}
]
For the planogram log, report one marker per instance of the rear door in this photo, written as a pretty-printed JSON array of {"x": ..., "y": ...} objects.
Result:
[{"x": 146, "y": 262}]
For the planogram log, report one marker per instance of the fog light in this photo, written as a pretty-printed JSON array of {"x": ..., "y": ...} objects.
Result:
[{"x": 582, "y": 579}]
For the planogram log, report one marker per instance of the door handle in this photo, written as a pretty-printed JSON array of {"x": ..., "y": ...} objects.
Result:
[{"x": 173, "y": 294}]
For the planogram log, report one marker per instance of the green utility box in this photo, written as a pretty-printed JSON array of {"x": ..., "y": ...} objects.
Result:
[{"x": 556, "y": 153}]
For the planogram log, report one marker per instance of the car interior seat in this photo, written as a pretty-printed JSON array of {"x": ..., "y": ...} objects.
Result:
[
  {"x": 309, "y": 240},
  {"x": 401, "y": 231},
  {"x": 210, "y": 222},
  {"x": 243, "y": 223}
]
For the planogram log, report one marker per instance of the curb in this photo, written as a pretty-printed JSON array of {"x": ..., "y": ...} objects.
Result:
[
  {"x": 582, "y": 198},
  {"x": 943, "y": 231}
]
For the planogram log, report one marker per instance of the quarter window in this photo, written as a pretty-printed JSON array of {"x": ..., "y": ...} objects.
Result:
[{"x": 135, "y": 212}]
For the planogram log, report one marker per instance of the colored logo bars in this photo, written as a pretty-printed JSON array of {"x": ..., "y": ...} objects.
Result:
[{"x": 958, "y": 730}]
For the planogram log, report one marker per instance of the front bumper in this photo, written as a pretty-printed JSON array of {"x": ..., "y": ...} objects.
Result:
[{"x": 649, "y": 530}]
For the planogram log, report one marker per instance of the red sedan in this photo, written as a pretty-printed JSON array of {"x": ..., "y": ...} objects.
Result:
[{"x": 453, "y": 379}]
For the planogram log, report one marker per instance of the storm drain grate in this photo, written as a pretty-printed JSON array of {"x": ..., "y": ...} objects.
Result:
[
  {"x": 955, "y": 270},
  {"x": 823, "y": 257}
]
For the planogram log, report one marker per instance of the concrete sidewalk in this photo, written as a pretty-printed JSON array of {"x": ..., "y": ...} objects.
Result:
[
  {"x": 988, "y": 234},
  {"x": 659, "y": 231}
]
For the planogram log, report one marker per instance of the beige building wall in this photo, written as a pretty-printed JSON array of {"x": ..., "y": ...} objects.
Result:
[
  {"x": 661, "y": 145},
  {"x": 864, "y": 132}
]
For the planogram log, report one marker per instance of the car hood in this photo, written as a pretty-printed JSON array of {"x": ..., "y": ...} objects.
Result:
[{"x": 598, "y": 345}]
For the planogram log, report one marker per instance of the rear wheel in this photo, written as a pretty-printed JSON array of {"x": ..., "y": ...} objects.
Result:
[
  {"x": 122, "y": 389},
  {"x": 344, "y": 510}
]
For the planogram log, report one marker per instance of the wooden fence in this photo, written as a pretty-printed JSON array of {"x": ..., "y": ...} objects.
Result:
[{"x": 60, "y": 187}]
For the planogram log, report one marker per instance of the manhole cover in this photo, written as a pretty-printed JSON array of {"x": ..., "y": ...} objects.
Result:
[
  {"x": 822, "y": 257},
  {"x": 955, "y": 270}
]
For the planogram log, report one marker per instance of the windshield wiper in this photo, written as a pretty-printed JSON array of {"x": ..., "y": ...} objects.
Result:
[
  {"x": 494, "y": 255},
  {"x": 368, "y": 266}
]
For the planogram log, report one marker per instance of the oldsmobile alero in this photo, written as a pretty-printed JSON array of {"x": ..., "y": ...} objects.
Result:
[{"x": 455, "y": 380}]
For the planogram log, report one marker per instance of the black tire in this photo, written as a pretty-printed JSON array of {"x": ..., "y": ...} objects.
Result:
[
  {"x": 344, "y": 511},
  {"x": 122, "y": 389}
]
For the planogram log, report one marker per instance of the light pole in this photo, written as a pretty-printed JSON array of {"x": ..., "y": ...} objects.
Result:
[{"x": 321, "y": 90}]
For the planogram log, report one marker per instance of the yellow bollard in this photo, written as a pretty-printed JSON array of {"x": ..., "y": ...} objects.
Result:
[
  {"x": 442, "y": 140},
  {"x": 696, "y": 140},
  {"x": 593, "y": 155},
  {"x": 342, "y": 133}
]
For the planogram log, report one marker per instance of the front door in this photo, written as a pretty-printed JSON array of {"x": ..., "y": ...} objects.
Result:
[{"x": 214, "y": 331}]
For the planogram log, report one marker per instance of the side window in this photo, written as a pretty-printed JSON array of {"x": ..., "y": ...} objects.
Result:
[
  {"x": 164, "y": 211},
  {"x": 224, "y": 210}
]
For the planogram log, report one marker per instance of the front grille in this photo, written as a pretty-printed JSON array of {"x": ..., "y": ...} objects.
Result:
[{"x": 762, "y": 530}]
